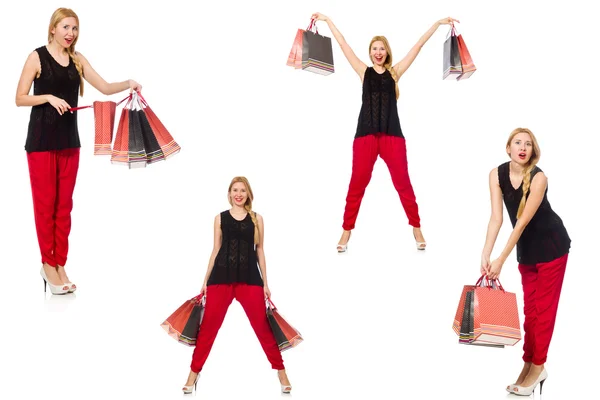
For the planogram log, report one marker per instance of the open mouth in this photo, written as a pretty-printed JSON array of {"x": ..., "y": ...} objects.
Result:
[
  {"x": 69, "y": 41},
  {"x": 522, "y": 155},
  {"x": 378, "y": 59},
  {"x": 238, "y": 199}
]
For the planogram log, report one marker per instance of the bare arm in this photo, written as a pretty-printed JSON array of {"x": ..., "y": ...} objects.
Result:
[
  {"x": 216, "y": 247},
  {"x": 402, "y": 66},
  {"x": 31, "y": 70},
  {"x": 536, "y": 195},
  {"x": 496, "y": 218},
  {"x": 100, "y": 84},
  {"x": 358, "y": 66},
  {"x": 260, "y": 249}
]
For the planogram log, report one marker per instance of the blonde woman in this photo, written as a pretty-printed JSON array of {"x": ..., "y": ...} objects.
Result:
[
  {"x": 378, "y": 132},
  {"x": 542, "y": 249},
  {"x": 237, "y": 270},
  {"x": 57, "y": 72}
]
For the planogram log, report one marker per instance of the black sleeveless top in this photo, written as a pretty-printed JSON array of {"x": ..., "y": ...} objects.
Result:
[
  {"x": 545, "y": 238},
  {"x": 48, "y": 130},
  {"x": 236, "y": 261},
  {"x": 379, "y": 111}
]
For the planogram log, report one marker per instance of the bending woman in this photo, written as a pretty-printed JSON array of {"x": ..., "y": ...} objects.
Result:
[{"x": 542, "y": 249}]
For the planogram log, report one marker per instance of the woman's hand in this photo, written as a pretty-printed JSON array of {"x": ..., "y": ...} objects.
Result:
[
  {"x": 447, "y": 21},
  {"x": 203, "y": 291},
  {"x": 319, "y": 17},
  {"x": 267, "y": 292},
  {"x": 495, "y": 268},
  {"x": 134, "y": 86},
  {"x": 485, "y": 265},
  {"x": 60, "y": 105}
]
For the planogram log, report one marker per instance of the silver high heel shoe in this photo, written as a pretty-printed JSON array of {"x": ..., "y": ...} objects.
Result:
[
  {"x": 191, "y": 388},
  {"x": 53, "y": 289},
  {"x": 526, "y": 391}
]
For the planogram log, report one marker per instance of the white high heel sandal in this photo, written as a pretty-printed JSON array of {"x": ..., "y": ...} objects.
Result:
[
  {"x": 526, "y": 391},
  {"x": 191, "y": 388},
  {"x": 342, "y": 248},
  {"x": 286, "y": 389},
  {"x": 53, "y": 288}
]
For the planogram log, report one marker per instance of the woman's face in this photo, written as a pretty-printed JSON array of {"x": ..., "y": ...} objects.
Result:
[
  {"x": 378, "y": 53},
  {"x": 238, "y": 194},
  {"x": 521, "y": 148},
  {"x": 66, "y": 31}
]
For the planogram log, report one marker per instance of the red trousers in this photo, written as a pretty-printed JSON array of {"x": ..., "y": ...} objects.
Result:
[
  {"x": 53, "y": 175},
  {"x": 542, "y": 284},
  {"x": 218, "y": 299},
  {"x": 392, "y": 150}
]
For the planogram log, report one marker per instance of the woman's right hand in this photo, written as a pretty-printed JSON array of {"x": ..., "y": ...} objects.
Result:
[
  {"x": 485, "y": 265},
  {"x": 203, "y": 291},
  {"x": 60, "y": 105},
  {"x": 319, "y": 17}
]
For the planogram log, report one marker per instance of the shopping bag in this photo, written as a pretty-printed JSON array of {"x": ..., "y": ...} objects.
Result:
[
  {"x": 296, "y": 49},
  {"x": 467, "y": 334},
  {"x": 451, "y": 62},
  {"x": 184, "y": 323},
  {"x": 468, "y": 67},
  {"x": 285, "y": 334},
  {"x": 317, "y": 51}
]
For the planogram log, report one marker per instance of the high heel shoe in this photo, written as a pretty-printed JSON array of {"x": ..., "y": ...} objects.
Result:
[
  {"x": 191, "y": 388},
  {"x": 420, "y": 245},
  {"x": 286, "y": 389},
  {"x": 526, "y": 391},
  {"x": 72, "y": 287},
  {"x": 342, "y": 248},
  {"x": 53, "y": 289}
]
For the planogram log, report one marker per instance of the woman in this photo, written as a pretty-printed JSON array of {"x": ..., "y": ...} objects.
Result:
[
  {"x": 378, "y": 132},
  {"x": 237, "y": 269},
  {"x": 542, "y": 249},
  {"x": 57, "y": 72}
]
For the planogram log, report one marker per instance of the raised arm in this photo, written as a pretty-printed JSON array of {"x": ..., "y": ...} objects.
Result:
[
  {"x": 536, "y": 195},
  {"x": 90, "y": 75},
  {"x": 358, "y": 66},
  {"x": 495, "y": 221},
  {"x": 402, "y": 66},
  {"x": 216, "y": 246}
]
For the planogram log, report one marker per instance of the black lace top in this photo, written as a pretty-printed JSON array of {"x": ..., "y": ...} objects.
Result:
[
  {"x": 545, "y": 238},
  {"x": 236, "y": 261},
  {"x": 379, "y": 111},
  {"x": 48, "y": 130}
]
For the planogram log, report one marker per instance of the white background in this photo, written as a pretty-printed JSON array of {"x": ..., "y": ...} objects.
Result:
[{"x": 377, "y": 320}]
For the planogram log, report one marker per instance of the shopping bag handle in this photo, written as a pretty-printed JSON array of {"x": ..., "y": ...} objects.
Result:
[
  {"x": 198, "y": 299},
  {"x": 270, "y": 303},
  {"x": 313, "y": 24},
  {"x": 92, "y": 106},
  {"x": 489, "y": 283},
  {"x": 453, "y": 31}
]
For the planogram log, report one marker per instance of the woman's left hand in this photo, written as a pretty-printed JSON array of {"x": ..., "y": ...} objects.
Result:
[
  {"x": 134, "y": 86},
  {"x": 267, "y": 292},
  {"x": 495, "y": 269},
  {"x": 447, "y": 21}
]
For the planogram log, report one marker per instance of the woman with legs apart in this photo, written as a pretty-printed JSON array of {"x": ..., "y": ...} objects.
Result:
[
  {"x": 237, "y": 270},
  {"x": 57, "y": 72},
  {"x": 378, "y": 132},
  {"x": 542, "y": 250}
]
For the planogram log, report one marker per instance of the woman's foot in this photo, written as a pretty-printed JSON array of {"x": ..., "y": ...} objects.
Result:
[
  {"x": 192, "y": 380},
  {"x": 286, "y": 386},
  {"x": 62, "y": 274},
  {"x": 343, "y": 243},
  {"x": 421, "y": 244},
  {"x": 531, "y": 377},
  {"x": 522, "y": 376},
  {"x": 51, "y": 279}
]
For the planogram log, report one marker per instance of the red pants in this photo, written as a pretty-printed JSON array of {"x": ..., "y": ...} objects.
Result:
[
  {"x": 53, "y": 175},
  {"x": 218, "y": 299},
  {"x": 542, "y": 284},
  {"x": 392, "y": 150}
]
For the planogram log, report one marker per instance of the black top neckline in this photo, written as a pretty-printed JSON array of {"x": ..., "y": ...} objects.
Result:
[
  {"x": 56, "y": 61},
  {"x": 238, "y": 220},
  {"x": 511, "y": 185}
]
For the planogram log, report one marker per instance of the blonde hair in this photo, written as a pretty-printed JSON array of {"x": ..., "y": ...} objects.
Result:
[
  {"x": 387, "y": 64},
  {"x": 58, "y": 16},
  {"x": 247, "y": 205},
  {"x": 535, "y": 157}
]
